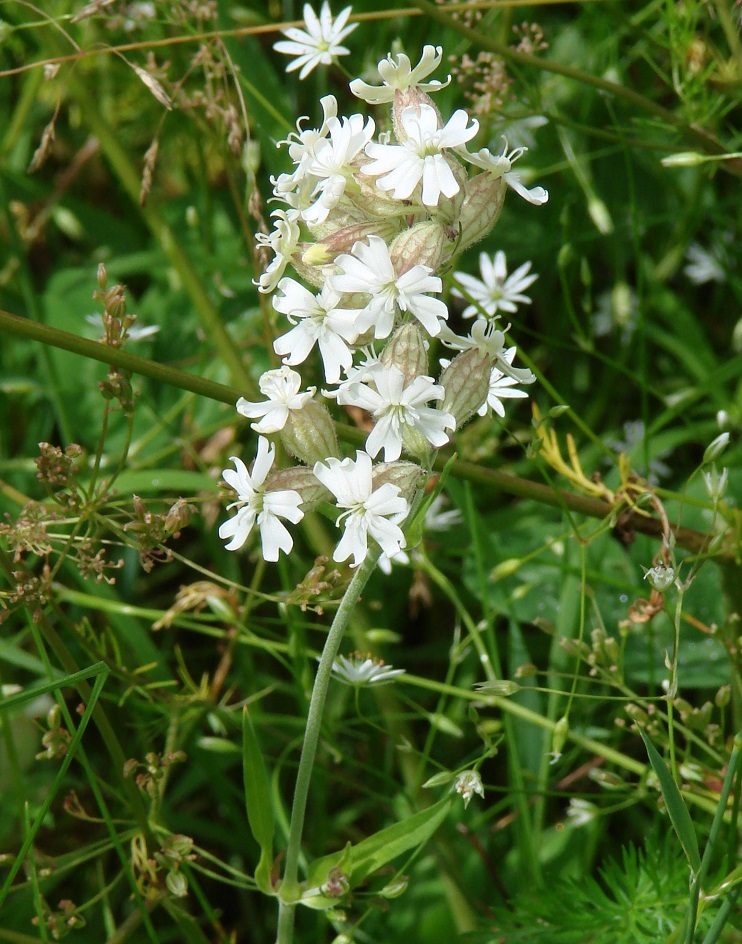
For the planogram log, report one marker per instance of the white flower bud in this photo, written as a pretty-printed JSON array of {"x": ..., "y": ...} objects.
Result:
[
  {"x": 660, "y": 577},
  {"x": 715, "y": 483},
  {"x": 716, "y": 447},
  {"x": 309, "y": 434}
]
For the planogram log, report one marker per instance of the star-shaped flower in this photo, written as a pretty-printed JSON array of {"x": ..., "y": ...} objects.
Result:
[
  {"x": 283, "y": 241},
  {"x": 319, "y": 43},
  {"x": 281, "y": 386},
  {"x": 496, "y": 290},
  {"x": 319, "y": 321},
  {"x": 359, "y": 669},
  {"x": 254, "y": 504},
  {"x": 401, "y": 167},
  {"x": 502, "y": 388},
  {"x": 369, "y": 269},
  {"x": 397, "y": 73},
  {"x": 400, "y": 411},
  {"x": 368, "y": 511},
  {"x": 501, "y": 165}
]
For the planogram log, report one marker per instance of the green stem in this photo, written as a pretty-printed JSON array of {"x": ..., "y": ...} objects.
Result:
[
  {"x": 289, "y": 892},
  {"x": 687, "y": 538}
]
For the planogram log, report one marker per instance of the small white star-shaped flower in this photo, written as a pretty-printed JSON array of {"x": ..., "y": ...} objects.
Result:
[
  {"x": 496, "y": 290},
  {"x": 254, "y": 504},
  {"x": 501, "y": 165},
  {"x": 367, "y": 511},
  {"x": 359, "y": 669},
  {"x": 501, "y": 388},
  {"x": 319, "y": 43},
  {"x": 369, "y": 269},
  {"x": 398, "y": 410},
  {"x": 281, "y": 386},
  {"x": 283, "y": 241},
  {"x": 401, "y": 167}
]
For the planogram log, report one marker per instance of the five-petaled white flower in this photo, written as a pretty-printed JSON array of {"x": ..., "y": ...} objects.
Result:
[
  {"x": 399, "y": 411},
  {"x": 281, "y": 386},
  {"x": 369, "y": 269},
  {"x": 397, "y": 73},
  {"x": 360, "y": 669},
  {"x": 331, "y": 164},
  {"x": 368, "y": 511},
  {"x": 501, "y": 388},
  {"x": 319, "y": 321},
  {"x": 487, "y": 338},
  {"x": 283, "y": 241},
  {"x": 496, "y": 290},
  {"x": 467, "y": 784},
  {"x": 255, "y": 504},
  {"x": 420, "y": 157},
  {"x": 319, "y": 43},
  {"x": 501, "y": 165}
]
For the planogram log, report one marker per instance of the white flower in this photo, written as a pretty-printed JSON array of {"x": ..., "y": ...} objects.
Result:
[
  {"x": 319, "y": 43},
  {"x": 501, "y": 388},
  {"x": 359, "y": 669},
  {"x": 401, "y": 167},
  {"x": 281, "y": 386},
  {"x": 487, "y": 338},
  {"x": 496, "y": 290},
  {"x": 255, "y": 504},
  {"x": 367, "y": 511},
  {"x": 398, "y": 410},
  {"x": 331, "y": 163},
  {"x": 467, "y": 784},
  {"x": 370, "y": 270},
  {"x": 581, "y": 812},
  {"x": 302, "y": 143},
  {"x": 703, "y": 265},
  {"x": 319, "y": 321},
  {"x": 502, "y": 166},
  {"x": 283, "y": 241},
  {"x": 398, "y": 74}
]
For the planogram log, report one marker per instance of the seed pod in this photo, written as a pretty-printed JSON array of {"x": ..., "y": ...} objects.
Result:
[
  {"x": 483, "y": 200},
  {"x": 422, "y": 244},
  {"x": 406, "y": 475},
  {"x": 301, "y": 479}
]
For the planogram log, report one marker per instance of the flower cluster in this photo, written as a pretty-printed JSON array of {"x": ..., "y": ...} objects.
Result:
[{"x": 367, "y": 223}]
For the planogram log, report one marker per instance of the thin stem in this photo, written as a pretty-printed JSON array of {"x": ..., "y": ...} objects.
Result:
[{"x": 289, "y": 887}]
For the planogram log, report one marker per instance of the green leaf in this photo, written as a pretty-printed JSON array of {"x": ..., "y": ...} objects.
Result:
[
  {"x": 258, "y": 801},
  {"x": 679, "y": 815},
  {"x": 359, "y": 861}
]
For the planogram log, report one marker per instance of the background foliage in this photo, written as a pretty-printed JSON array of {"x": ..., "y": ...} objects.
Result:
[{"x": 142, "y": 137}]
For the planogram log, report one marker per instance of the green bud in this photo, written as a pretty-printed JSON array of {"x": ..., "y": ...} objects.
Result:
[
  {"x": 466, "y": 381},
  {"x": 483, "y": 200},
  {"x": 406, "y": 349},
  {"x": 309, "y": 434},
  {"x": 405, "y": 475},
  {"x": 301, "y": 479},
  {"x": 422, "y": 244}
]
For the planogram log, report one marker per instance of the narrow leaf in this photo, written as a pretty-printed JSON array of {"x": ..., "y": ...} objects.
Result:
[
  {"x": 360, "y": 861},
  {"x": 678, "y": 811},
  {"x": 258, "y": 801}
]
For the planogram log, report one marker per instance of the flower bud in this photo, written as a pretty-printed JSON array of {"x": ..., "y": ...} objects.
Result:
[
  {"x": 715, "y": 483},
  {"x": 309, "y": 434},
  {"x": 483, "y": 200},
  {"x": 559, "y": 738},
  {"x": 406, "y": 350},
  {"x": 301, "y": 479},
  {"x": 405, "y": 475},
  {"x": 378, "y": 203},
  {"x": 466, "y": 381},
  {"x": 343, "y": 238},
  {"x": 660, "y": 577},
  {"x": 423, "y": 244},
  {"x": 716, "y": 447},
  {"x": 467, "y": 784}
]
